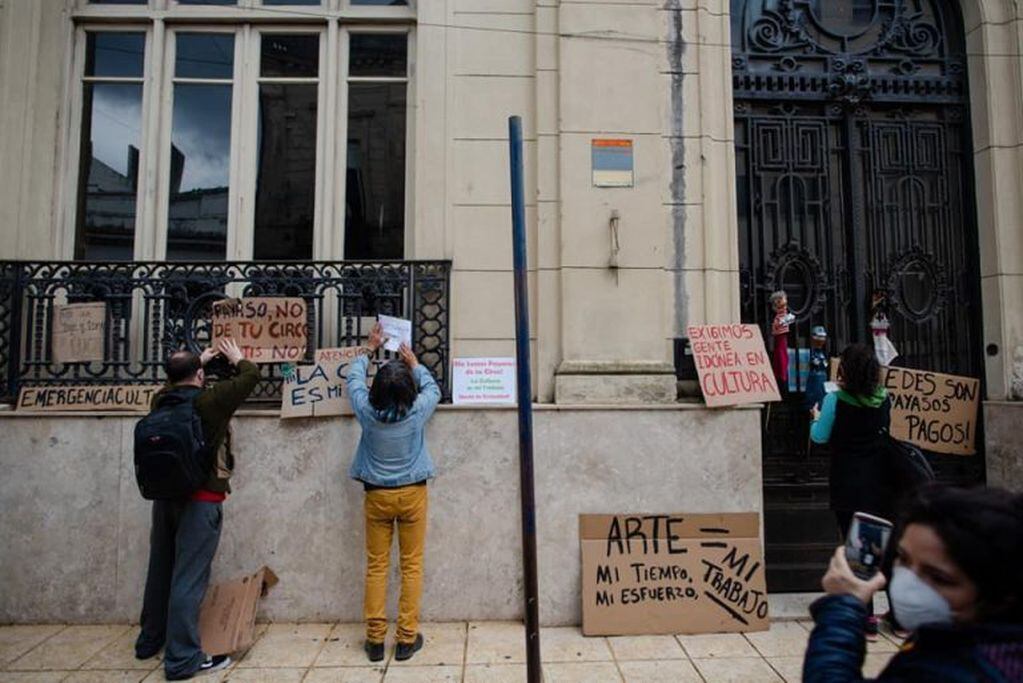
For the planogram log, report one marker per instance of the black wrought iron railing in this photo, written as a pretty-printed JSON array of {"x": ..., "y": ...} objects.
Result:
[{"x": 154, "y": 308}]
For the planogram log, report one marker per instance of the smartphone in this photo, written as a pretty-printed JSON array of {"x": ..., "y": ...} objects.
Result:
[{"x": 865, "y": 545}]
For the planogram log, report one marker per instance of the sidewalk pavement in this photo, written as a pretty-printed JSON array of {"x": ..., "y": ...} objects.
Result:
[{"x": 474, "y": 652}]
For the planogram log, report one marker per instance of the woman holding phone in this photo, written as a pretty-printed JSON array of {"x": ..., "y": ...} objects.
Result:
[
  {"x": 956, "y": 586},
  {"x": 852, "y": 420}
]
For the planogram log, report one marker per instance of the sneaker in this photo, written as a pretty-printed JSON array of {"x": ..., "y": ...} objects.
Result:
[
  {"x": 217, "y": 663},
  {"x": 872, "y": 628},
  {"x": 406, "y": 650},
  {"x": 897, "y": 631},
  {"x": 375, "y": 651},
  {"x": 146, "y": 653}
]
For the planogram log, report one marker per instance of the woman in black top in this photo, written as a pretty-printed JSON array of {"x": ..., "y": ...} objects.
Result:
[{"x": 853, "y": 420}]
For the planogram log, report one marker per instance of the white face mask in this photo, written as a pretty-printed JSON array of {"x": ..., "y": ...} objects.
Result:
[{"x": 914, "y": 601}]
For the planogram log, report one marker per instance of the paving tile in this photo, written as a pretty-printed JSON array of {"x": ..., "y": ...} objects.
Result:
[
  {"x": 264, "y": 675},
  {"x": 495, "y": 673},
  {"x": 881, "y": 646},
  {"x": 736, "y": 670},
  {"x": 344, "y": 647},
  {"x": 789, "y": 668},
  {"x": 17, "y": 640},
  {"x": 645, "y": 647},
  {"x": 444, "y": 645},
  {"x": 717, "y": 645},
  {"x": 423, "y": 674},
  {"x": 874, "y": 664},
  {"x": 216, "y": 677},
  {"x": 350, "y": 674},
  {"x": 496, "y": 642},
  {"x": 784, "y": 639},
  {"x": 123, "y": 676},
  {"x": 32, "y": 676},
  {"x": 68, "y": 649},
  {"x": 568, "y": 644},
  {"x": 581, "y": 672},
  {"x": 660, "y": 671},
  {"x": 120, "y": 654},
  {"x": 287, "y": 646}
]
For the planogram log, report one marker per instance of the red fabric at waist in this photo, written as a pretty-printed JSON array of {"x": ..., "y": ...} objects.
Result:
[{"x": 204, "y": 496}]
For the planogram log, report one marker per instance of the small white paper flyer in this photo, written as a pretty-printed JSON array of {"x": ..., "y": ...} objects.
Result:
[
  {"x": 397, "y": 331},
  {"x": 483, "y": 381}
]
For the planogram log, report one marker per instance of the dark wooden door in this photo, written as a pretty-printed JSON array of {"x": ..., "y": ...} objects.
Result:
[{"x": 853, "y": 180}]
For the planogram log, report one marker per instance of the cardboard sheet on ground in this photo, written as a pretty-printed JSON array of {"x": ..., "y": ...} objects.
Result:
[
  {"x": 79, "y": 332},
  {"x": 932, "y": 410},
  {"x": 483, "y": 381},
  {"x": 319, "y": 390},
  {"x": 227, "y": 618},
  {"x": 732, "y": 364},
  {"x": 676, "y": 573},
  {"x": 397, "y": 331},
  {"x": 268, "y": 329},
  {"x": 126, "y": 397}
]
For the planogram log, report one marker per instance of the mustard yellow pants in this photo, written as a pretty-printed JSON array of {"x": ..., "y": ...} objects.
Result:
[{"x": 405, "y": 506}]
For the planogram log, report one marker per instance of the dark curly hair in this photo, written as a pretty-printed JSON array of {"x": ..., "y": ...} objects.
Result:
[
  {"x": 982, "y": 529},
  {"x": 394, "y": 389},
  {"x": 860, "y": 371}
]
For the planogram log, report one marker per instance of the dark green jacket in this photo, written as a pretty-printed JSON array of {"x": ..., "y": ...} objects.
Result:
[{"x": 215, "y": 406}]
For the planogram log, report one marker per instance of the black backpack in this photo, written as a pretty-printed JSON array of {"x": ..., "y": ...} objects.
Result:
[
  {"x": 908, "y": 468},
  {"x": 171, "y": 457}
]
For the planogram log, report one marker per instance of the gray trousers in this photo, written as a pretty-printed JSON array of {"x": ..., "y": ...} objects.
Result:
[{"x": 182, "y": 543}]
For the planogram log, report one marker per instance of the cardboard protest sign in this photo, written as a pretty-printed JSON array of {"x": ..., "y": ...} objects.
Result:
[
  {"x": 131, "y": 398},
  {"x": 483, "y": 381},
  {"x": 397, "y": 331},
  {"x": 932, "y": 410},
  {"x": 268, "y": 329},
  {"x": 227, "y": 618},
  {"x": 732, "y": 364},
  {"x": 79, "y": 332},
  {"x": 677, "y": 573},
  {"x": 318, "y": 390}
]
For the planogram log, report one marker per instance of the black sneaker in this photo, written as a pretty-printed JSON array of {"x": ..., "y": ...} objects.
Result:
[
  {"x": 147, "y": 652},
  {"x": 375, "y": 651},
  {"x": 406, "y": 650},
  {"x": 217, "y": 663}
]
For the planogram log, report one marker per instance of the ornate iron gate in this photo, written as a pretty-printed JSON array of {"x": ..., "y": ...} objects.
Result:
[{"x": 854, "y": 179}]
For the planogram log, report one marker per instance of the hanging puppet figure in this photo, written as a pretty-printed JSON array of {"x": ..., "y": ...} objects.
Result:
[
  {"x": 884, "y": 349},
  {"x": 818, "y": 367},
  {"x": 780, "y": 334}
]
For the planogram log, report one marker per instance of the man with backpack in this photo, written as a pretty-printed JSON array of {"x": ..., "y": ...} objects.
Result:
[{"x": 183, "y": 462}]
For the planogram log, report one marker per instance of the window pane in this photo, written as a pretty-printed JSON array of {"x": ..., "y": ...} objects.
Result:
[
  {"x": 378, "y": 54},
  {"x": 286, "y": 184},
  {"x": 204, "y": 55},
  {"x": 118, "y": 2},
  {"x": 114, "y": 54},
  {"x": 379, "y": 2},
  {"x": 290, "y": 55},
  {"x": 207, "y": 2},
  {"x": 200, "y": 170},
  {"x": 291, "y": 2},
  {"x": 111, "y": 122},
  {"x": 375, "y": 184}
]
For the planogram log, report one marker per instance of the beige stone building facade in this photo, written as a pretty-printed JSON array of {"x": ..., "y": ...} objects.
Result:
[{"x": 421, "y": 92}]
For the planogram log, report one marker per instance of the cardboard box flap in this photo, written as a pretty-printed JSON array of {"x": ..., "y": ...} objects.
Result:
[
  {"x": 736, "y": 525},
  {"x": 227, "y": 618}
]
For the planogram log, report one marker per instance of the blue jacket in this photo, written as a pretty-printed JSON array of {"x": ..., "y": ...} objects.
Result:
[
  {"x": 391, "y": 453},
  {"x": 980, "y": 653}
]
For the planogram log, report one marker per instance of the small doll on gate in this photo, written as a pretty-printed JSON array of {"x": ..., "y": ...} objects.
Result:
[
  {"x": 884, "y": 349},
  {"x": 780, "y": 334},
  {"x": 818, "y": 367}
]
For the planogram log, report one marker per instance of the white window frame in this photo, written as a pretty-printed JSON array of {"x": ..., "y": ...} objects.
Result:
[{"x": 160, "y": 21}]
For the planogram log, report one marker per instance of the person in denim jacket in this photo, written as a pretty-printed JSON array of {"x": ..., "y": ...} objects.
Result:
[{"x": 393, "y": 463}]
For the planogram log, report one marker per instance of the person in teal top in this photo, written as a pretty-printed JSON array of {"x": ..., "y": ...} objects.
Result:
[{"x": 853, "y": 421}]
